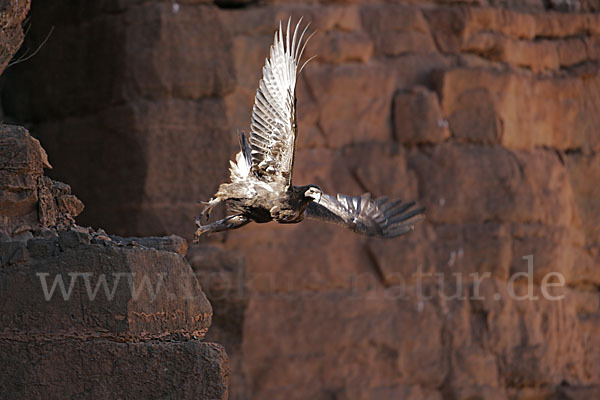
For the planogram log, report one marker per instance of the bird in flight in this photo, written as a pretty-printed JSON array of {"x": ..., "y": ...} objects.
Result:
[{"x": 261, "y": 188}]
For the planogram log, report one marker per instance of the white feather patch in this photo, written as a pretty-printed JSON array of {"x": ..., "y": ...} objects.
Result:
[{"x": 239, "y": 170}]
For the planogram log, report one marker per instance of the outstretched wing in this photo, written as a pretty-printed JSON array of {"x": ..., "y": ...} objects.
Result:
[
  {"x": 273, "y": 128},
  {"x": 373, "y": 217}
]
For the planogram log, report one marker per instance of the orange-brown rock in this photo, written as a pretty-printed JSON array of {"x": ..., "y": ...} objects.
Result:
[
  {"x": 354, "y": 102},
  {"x": 12, "y": 16},
  {"x": 563, "y": 120},
  {"x": 508, "y": 185},
  {"x": 397, "y": 30},
  {"x": 338, "y": 47},
  {"x": 418, "y": 118}
]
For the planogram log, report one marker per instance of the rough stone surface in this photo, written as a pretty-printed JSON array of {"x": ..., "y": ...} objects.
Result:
[
  {"x": 417, "y": 117},
  {"x": 75, "y": 300},
  {"x": 564, "y": 120},
  {"x": 486, "y": 111},
  {"x": 12, "y": 16},
  {"x": 150, "y": 93},
  {"x": 221, "y": 273},
  {"x": 121, "y": 290},
  {"x": 59, "y": 368},
  {"x": 397, "y": 30},
  {"x": 28, "y": 199}
]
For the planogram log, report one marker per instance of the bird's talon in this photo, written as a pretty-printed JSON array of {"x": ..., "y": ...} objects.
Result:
[{"x": 198, "y": 233}]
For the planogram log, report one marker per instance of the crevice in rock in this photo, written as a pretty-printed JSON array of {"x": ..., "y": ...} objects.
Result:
[{"x": 234, "y": 4}]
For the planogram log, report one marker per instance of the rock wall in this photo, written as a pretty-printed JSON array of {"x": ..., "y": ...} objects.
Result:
[
  {"x": 484, "y": 111},
  {"x": 29, "y": 200},
  {"x": 85, "y": 314},
  {"x": 12, "y": 17},
  {"x": 144, "y": 90}
]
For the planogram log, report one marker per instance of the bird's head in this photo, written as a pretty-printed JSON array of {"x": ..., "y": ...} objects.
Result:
[{"x": 313, "y": 192}]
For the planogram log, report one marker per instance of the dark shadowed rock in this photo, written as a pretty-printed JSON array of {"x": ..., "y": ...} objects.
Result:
[
  {"x": 171, "y": 243},
  {"x": 222, "y": 274},
  {"x": 29, "y": 200},
  {"x": 75, "y": 300},
  {"x": 155, "y": 77},
  {"x": 121, "y": 289},
  {"x": 103, "y": 369}
]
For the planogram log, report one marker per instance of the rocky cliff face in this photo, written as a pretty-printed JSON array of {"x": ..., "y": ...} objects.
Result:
[
  {"x": 12, "y": 16},
  {"x": 88, "y": 314},
  {"x": 29, "y": 200},
  {"x": 485, "y": 111}
]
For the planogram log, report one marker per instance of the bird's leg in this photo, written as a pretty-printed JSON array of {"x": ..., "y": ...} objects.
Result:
[
  {"x": 225, "y": 224},
  {"x": 208, "y": 206}
]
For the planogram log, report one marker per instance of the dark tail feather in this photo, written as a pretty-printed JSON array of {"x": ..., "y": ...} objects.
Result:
[{"x": 246, "y": 150}]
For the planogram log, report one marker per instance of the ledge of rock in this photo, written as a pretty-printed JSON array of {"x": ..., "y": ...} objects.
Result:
[
  {"x": 122, "y": 290},
  {"x": 75, "y": 299}
]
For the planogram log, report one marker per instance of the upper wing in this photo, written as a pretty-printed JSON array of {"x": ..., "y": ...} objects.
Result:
[
  {"x": 273, "y": 128},
  {"x": 379, "y": 217}
]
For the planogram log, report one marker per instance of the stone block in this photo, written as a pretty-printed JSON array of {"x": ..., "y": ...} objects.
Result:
[
  {"x": 397, "y": 30},
  {"x": 556, "y": 110},
  {"x": 354, "y": 102},
  {"x": 418, "y": 118},
  {"x": 70, "y": 286},
  {"x": 509, "y": 185},
  {"x": 55, "y": 368},
  {"x": 337, "y": 47}
]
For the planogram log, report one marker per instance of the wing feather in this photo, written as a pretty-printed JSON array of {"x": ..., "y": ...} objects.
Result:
[
  {"x": 273, "y": 126},
  {"x": 362, "y": 214}
]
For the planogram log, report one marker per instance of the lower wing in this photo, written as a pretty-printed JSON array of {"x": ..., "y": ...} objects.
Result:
[{"x": 373, "y": 217}]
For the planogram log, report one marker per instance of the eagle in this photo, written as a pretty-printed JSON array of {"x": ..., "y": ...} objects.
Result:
[{"x": 261, "y": 188}]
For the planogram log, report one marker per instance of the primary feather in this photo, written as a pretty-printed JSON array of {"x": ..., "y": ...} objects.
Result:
[
  {"x": 362, "y": 214},
  {"x": 273, "y": 127}
]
